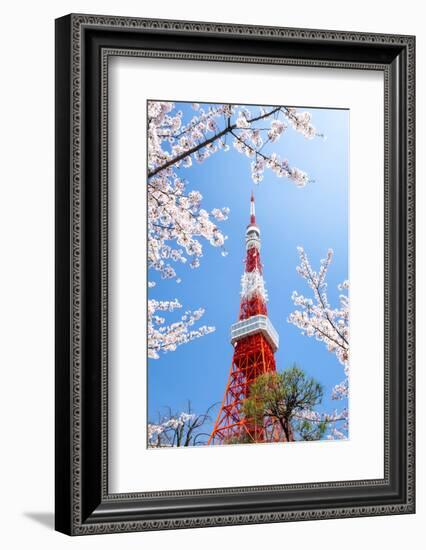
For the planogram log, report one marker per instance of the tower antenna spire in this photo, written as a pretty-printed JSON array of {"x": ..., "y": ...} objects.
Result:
[{"x": 252, "y": 209}]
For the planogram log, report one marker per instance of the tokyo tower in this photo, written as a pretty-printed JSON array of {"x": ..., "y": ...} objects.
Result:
[{"x": 255, "y": 341}]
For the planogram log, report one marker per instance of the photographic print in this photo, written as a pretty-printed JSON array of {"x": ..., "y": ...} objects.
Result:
[
  {"x": 248, "y": 276},
  {"x": 234, "y": 274}
]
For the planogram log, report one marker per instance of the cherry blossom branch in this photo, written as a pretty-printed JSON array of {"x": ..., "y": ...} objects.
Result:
[
  {"x": 318, "y": 319},
  {"x": 280, "y": 168},
  {"x": 203, "y": 144},
  {"x": 178, "y": 429},
  {"x": 313, "y": 416},
  {"x": 168, "y": 337},
  {"x": 177, "y": 223},
  {"x": 315, "y": 284}
]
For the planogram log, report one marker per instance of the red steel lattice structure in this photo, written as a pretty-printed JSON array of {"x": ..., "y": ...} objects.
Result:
[{"x": 255, "y": 341}]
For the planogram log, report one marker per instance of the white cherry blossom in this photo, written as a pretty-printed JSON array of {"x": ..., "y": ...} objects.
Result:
[
  {"x": 166, "y": 337},
  {"x": 317, "y": 318},
  {"x": 178, "y": 429},
  {"x": 178, "y": 224}
]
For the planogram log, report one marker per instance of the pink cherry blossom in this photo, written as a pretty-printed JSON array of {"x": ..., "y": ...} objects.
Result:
[
  {"x": 317, "y": 318},
  {"x": 178, "y": 225}
]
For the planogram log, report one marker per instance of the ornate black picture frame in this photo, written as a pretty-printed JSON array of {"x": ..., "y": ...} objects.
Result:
[{"x": 83, "y": 45}]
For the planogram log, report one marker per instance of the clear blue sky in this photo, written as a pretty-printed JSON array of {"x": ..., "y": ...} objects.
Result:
[{"x": 315, "y": 217}]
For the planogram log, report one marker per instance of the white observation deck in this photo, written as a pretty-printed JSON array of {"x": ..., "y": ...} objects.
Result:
[{"x": 254, "y": 325}]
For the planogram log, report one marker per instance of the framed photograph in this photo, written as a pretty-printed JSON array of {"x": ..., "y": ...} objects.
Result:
[{"x": 234, "y": 274}]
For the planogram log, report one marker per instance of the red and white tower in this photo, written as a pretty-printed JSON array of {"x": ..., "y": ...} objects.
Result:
[{"x": 255, "y": 341}]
